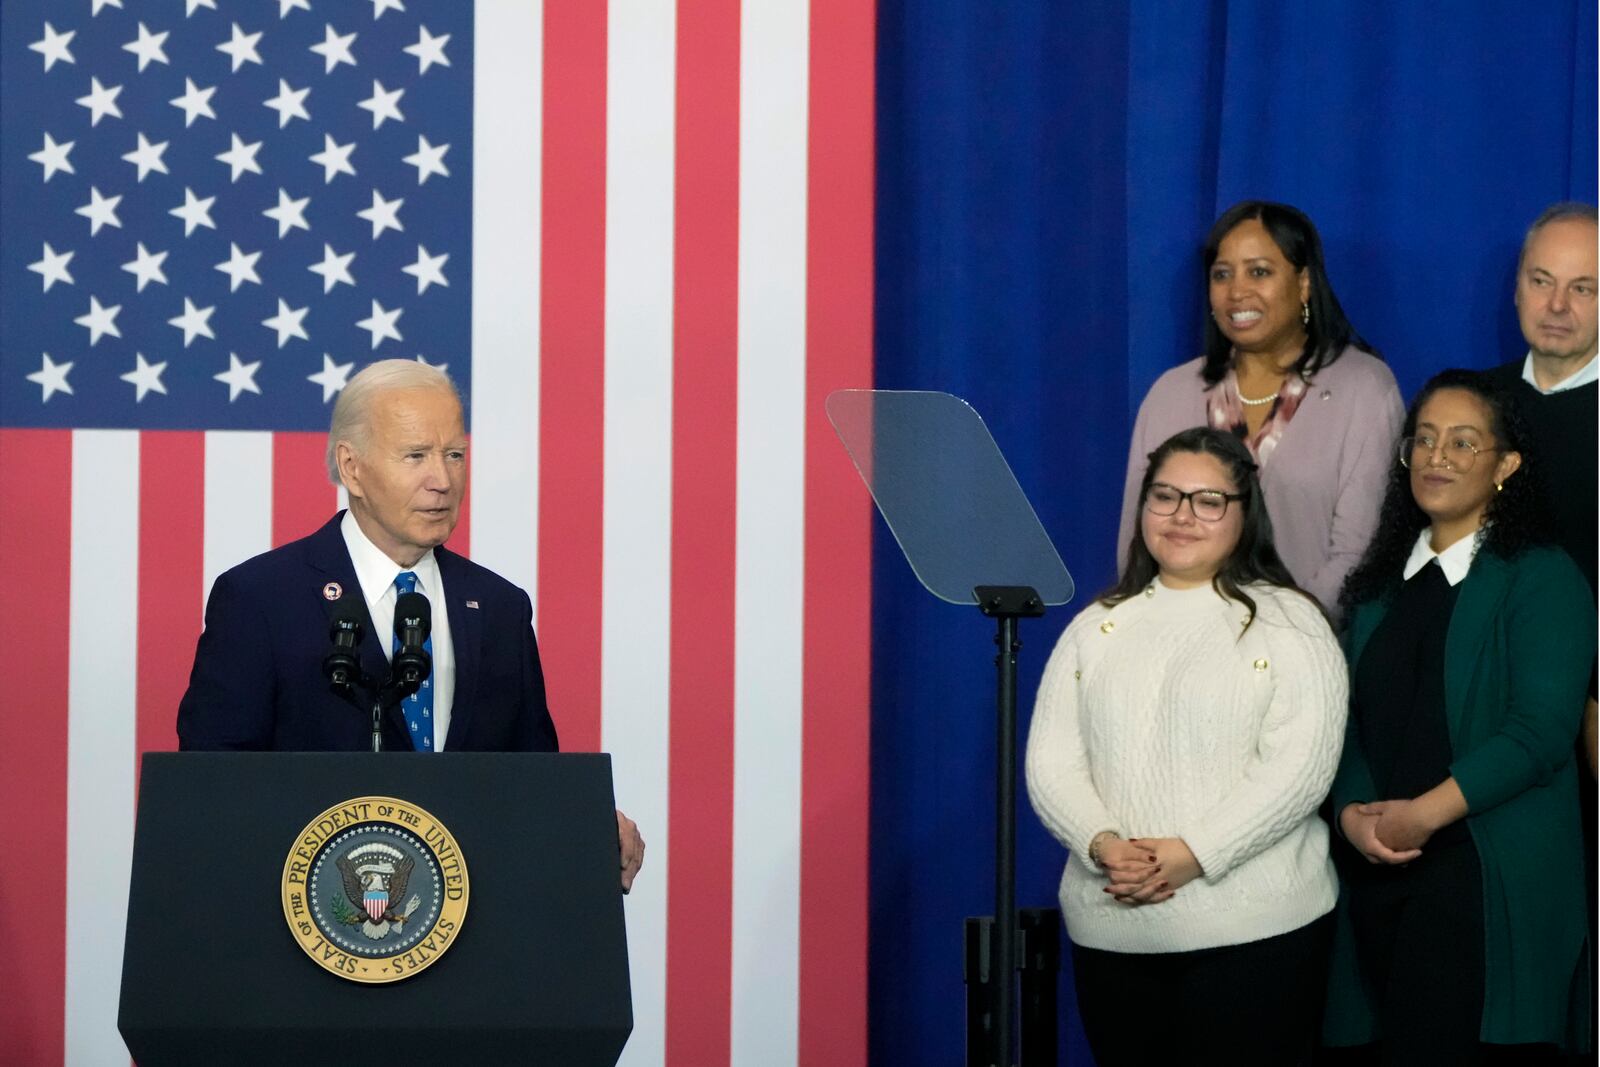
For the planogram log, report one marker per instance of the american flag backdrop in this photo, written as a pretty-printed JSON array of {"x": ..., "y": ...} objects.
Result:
[{"x": 639, "y": 234}]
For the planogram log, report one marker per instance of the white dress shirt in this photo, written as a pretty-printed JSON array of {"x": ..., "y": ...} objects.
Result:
[
  {"x": 376, "y": 572},
  {"x": 1455, "y": 561},
  {"x": 1589, "y": 373}
]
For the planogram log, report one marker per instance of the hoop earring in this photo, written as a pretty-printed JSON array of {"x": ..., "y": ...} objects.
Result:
[{"x": 1305, "y": 313}]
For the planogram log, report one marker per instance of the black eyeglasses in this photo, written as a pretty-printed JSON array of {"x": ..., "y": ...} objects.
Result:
[
  {"x": 1459, "y": 453},
  {"x": 1207, "y": 505}
]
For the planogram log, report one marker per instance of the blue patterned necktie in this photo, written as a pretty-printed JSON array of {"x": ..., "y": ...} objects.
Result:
[{"x": 418, "y": 707}]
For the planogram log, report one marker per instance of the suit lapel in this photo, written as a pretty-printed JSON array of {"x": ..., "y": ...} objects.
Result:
[
  {"x": 330, "y": 560},
  {"x": 466, "y": 638},
  {"x": 1471, "y": 625}
]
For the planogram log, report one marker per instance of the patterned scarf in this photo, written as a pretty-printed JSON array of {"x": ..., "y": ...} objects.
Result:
[{"x": 1225, "y": 412}]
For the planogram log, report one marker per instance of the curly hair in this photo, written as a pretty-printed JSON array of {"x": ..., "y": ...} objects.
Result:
[
  {"x": 1254, "y": 559},
  {"x": 1328, "y": 333},
  {"x": 1511, "y": 521}
]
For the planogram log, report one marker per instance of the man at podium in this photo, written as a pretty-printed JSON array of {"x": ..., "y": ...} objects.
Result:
[{"x": 398, "y": 445}]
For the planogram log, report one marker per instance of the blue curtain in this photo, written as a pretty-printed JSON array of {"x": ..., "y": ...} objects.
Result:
[{"x": 1046, "y": 175}]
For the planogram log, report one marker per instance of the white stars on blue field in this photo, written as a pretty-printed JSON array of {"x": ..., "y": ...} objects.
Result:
[{"x": 216, "y": 212}]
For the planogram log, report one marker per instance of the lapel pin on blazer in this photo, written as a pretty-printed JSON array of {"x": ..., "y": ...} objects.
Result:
[
  {"x": 332, "y": 591},
  {"x": 472, "y": 603}
]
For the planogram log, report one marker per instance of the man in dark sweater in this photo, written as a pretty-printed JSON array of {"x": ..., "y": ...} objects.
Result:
[
  {"x": 1555, "y": 383},
  {"x": 1555, "y": 387}
]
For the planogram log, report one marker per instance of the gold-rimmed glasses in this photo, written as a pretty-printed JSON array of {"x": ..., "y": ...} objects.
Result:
[{"x": 1459, "y": 453}]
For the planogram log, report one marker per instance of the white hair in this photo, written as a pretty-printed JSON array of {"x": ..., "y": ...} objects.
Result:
[{"x": 352, "y": 412}]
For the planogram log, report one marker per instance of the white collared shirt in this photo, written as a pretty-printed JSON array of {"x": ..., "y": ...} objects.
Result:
[
  {"x": 1455, "y": 561},
  {"x": 1589, "y": 373},
  {"x": 376, "y": 572}
]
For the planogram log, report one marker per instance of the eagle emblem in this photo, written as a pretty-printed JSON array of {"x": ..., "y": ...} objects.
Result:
[
  {"x": 375, "y": 877},
  {"x": 374, "y": 889}
]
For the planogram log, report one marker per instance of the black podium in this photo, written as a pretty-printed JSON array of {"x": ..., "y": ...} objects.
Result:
[{"x": 537, "y": 972}]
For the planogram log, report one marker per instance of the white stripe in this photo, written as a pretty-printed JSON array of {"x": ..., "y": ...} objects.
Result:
[
  {"x": 102, "y": 724},
  {"x": 238, "y": 505},
  {"x": 770, "y": 524},
  {"x": 637, "y": 533},
  {"x": 508, "y": 77}
]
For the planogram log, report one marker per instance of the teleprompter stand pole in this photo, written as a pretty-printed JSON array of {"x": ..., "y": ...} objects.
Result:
[
  {"x": 1038, "y": 934},
  {"x": 991, "y": 944},
  {"x": 961, "y": 518}
]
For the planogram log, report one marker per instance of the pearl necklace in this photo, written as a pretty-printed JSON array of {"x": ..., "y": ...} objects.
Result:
[{"x": 1248, "y": 402}]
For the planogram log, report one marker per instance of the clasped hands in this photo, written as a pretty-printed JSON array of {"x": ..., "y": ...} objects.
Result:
[
  {"x": 1387, "y": 831},
  {"x": 1146, "y": 870}
]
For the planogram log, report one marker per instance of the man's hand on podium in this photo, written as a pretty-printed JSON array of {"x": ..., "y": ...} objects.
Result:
[{"x": 631, "y": 846}]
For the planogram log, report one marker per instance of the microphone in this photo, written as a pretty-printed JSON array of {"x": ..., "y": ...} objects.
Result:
[
  {"x": 413, "y": 621},
  {"x": 341, "y": 667}
]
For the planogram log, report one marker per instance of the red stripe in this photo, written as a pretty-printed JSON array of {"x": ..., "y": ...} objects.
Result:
[
  {"x": 302, "y": 496},
  {"x": 171, "y": 550},
  {"x": 36, "y": 539},
  {"x": 461, "y": 537},
  {"x": 704, "y": 438},
  {"x": 572, "y": 365},
  {"x": 835, "y": 746}
]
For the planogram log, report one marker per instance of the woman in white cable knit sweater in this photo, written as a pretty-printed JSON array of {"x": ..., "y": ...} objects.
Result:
[{"x": 1187, "y": 727}]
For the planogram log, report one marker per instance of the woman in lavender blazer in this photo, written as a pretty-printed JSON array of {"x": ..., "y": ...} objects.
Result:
[{"x": 1285, "y": 371}]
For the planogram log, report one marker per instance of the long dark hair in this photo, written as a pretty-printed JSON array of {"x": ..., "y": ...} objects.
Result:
[
  {"x": 1254, "y": 558},
  {"x": 1328, "y": 333},
  {"x": 1510, "y": 521}
]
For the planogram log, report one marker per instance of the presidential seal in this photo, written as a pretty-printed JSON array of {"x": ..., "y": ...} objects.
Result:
[{"x": 374, "y": 889}]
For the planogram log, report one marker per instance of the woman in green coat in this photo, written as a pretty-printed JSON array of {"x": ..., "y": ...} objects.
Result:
[{"x": 1463, "y": 931}]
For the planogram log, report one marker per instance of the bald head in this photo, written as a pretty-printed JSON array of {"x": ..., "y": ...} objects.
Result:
[{"x": 1567, "y": 210}]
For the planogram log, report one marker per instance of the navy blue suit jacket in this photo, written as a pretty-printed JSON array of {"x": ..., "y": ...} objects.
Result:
[{"x": 257, "y": 681}]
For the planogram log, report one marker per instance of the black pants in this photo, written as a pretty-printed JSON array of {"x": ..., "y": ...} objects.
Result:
[
  {"x": 1256, "y": 1003},
  {"x": 1419, "y": 941}
]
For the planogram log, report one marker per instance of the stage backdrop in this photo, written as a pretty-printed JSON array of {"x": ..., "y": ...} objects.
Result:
[
  {"x": 1046, "y": 175},
  {"x": 640, "y": 236},
  {"x": 666, "y": 266}
]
